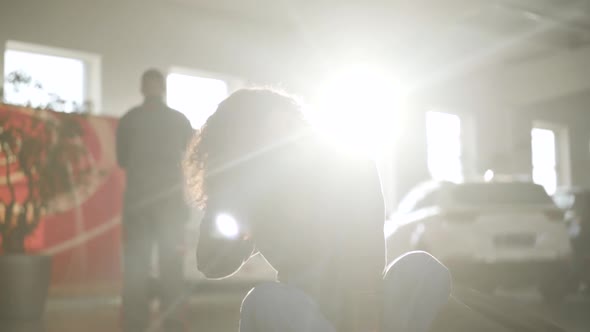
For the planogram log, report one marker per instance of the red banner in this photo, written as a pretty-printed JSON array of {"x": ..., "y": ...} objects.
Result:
[{"x": 83, "y": 235}]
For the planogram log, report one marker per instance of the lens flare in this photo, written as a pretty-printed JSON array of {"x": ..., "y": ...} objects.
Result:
[
  {"x": 227, "y": 226},
  {"x": 356, "y": 108}
]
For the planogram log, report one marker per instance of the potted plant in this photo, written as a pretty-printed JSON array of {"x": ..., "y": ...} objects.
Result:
[{"x": 42, "y": 160}]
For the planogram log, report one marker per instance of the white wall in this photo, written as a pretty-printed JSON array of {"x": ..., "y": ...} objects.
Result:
[
  {"x": 134, "y": 35},
  {"x": 511, "y": 87}
]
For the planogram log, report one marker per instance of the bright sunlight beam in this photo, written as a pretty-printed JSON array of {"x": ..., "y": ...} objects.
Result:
[{"x": 356, "y": 109}]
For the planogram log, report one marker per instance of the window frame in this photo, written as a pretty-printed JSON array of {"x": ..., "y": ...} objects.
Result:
[{"x": 92, "y": 67}]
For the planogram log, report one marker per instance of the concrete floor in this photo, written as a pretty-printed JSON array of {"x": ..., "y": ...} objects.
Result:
[
  {"x": 573, "y": 315},
  {"x": 218, "y": 311}
]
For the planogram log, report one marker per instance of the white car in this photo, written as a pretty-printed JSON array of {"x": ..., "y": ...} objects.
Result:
[{"x": 489, "y": 234}]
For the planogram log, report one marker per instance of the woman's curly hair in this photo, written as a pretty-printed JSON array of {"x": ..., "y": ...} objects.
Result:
[{"x": 243, "y": 123}]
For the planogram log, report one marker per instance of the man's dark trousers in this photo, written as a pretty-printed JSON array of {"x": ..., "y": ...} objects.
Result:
[{"x": 163, "y": 228}]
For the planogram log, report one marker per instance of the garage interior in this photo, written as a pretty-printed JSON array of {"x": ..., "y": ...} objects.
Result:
[{"x": 499, "y": 73}]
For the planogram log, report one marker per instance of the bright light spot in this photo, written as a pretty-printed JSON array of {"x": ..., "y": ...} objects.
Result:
[
  {"x": 489, "y": 175},
  {"x": 356, "y": 109},
  {"x": 227, "y": 225},
  {"x": 194, "y": 96}
]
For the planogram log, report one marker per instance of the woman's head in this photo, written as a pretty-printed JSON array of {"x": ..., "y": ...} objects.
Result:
[{"x": 246, "y": 125}]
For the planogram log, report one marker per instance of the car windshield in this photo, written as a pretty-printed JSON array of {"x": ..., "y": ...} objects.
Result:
[{"x": 500, "y": 194}]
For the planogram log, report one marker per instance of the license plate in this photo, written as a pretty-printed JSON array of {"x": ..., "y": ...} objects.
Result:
[{"x": 515, "y": 240}]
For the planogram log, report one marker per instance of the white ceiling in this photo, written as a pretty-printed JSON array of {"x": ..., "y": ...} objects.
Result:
[{"x": 513, "y": 30}]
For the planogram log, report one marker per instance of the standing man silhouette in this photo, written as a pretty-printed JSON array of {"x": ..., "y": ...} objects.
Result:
[{"x": 151, "y": 140}]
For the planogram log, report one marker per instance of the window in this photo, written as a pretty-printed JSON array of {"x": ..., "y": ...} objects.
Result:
[
  {"x": 195, "y": 96},
  {"x": 55, "y": 74},
  {"x": 443, "y": 146},
  {"x": 544, "y": 150}
]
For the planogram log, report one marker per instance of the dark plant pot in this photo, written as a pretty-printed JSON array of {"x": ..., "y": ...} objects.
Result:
[{"x": 24, "y": 283}]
